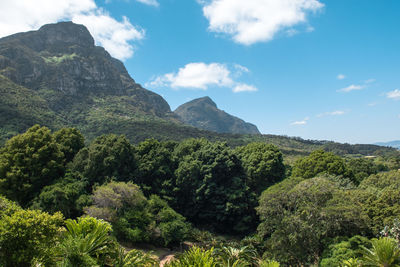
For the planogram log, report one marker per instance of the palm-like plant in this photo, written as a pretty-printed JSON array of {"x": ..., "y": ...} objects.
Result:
[
  {"x": 384, "y": 253},
  {"x": 230, "y": 256},
  {"x": 134, "y": 258},
  {"x": 85, "y": 243},
  {"x": 195, "y": 257}
]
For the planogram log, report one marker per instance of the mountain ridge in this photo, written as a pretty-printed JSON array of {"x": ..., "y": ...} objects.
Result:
[{"x": 203, "y": 113}]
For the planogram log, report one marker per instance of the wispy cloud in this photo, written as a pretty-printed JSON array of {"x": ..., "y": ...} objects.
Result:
[
  {"x": 332, "y": 113},
  {"x": 252, "y": 21},
  {"x": 116, "y": 36},
  {"x": 369, "y": 81},
  {"x": 201, "y": 76},
  {"x": 341, "y": 76},
  {"x": 149, "y": 2},
  {"x": 353, "y": 87},
  {"x": 395, "y": 94},
  {"x": 302, "y": 122}
]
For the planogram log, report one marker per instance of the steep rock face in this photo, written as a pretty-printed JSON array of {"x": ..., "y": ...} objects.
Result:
[
  {"x": 62, "y": 63},
  {"x": 203, "y": 113}
]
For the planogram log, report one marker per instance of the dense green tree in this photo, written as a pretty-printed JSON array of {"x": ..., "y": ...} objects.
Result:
[
  {"x": 196, "y": 257},
  {"x": 156, "y": 167},
  {"x": 319, "y": 162},
  {"x": 28, "y": 162},
  {"x": 136, "y": 219},
  {"x": 107, "y": 157},
  {"x": 26, "y": 235},
  {"x": 211, "y": 187},
  {"x": 361, "y": 168},
  {"x": 68, "y": 196},
  {"x": 299, "y": 216},
  {"x": 70, "y": 141},
  {"x": 263, "y": 164},
  {"x": 170, "y": 225}
]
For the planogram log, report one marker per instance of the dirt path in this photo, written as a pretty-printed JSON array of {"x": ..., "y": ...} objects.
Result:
[{"x": 166, "y": 259}]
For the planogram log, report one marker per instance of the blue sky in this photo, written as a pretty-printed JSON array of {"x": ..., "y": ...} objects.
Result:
[{"x": 317, "y": 69}]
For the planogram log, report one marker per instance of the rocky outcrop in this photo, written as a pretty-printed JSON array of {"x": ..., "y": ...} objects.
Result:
[
  {"x": 63, "y": 58},
  {"x": 203, "y": 113}
]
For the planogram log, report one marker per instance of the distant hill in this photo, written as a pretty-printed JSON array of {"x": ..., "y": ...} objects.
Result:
[
  {"x": 395, "y": 144},
  {"x": 203, "y": 113}
]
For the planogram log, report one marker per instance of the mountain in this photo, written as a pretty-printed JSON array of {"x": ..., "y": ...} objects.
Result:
[
  {"x": 203, "y": 113},
  {"x": 57, "y": 77},
  {"x": 395, "y": 144}
]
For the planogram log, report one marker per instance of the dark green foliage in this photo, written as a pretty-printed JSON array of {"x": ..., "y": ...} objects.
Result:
[
  {"x": 318, "y": 162},
  {"x": 68, "y": 196},
  {"x": 26, "y": 235},
  {"x": 336, "y": 253},
  {"x": 263, "y": 164},
  {"x": 28, "y": 162},
  {"x": 171, "y": 225},
  {"x": 108, "y": 156},
  {"x": 211, "y": 187},
  {"x": 70, "y": 140},
  {"x": 156, "y": 166},
  {"x": 361, "y": 168}
]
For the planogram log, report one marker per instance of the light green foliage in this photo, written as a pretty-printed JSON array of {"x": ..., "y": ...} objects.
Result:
[
  {"x": 263, "y": 164},
  {"x": 70, "y": 141},
  {"x": 269, "y": 263},
  {"x": 210, "y": 187},
  {"x": 123, "y": 205},
  {"x": 230, "y": 256},
  {"x": 297, "y": 216},
  {"x": 7, "y": 207},
  {"x": 28, "y": 162},
  {"x": 384, "y": 253},
  {"x": 107, "y": 156},
  {"x": 86, "y": 242},
  {"x": 351, "y": 248},
  {"x": 352, "y": 262},
  {"x": 383, "y": 205},
  {"x": 195, "y": 257},
  {"x": 59, "y": 59},
  {"x": 319, "y": 162},
  {"x": 136, "y": 219},
  {"x": 26, "y": 235},
  {"x": 134, "y": 258}
]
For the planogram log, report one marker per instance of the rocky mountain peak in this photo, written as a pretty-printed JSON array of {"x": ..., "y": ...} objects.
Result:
[{"x": 204, "y": 114}]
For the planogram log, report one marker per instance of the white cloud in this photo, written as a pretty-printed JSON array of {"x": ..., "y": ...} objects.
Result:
[
  {"x": 332, "y": 113},
  {"x": 341, "y": 77},
  {"x": 199, "y": 75},
  {"x": 25, "y": 15},
  {"x": 350, "y": 88},
  {"x": 369, "y": 81},
  {"x": 149, "y": 2},
  {"x": 395, "y": 94},
  {"x": 253, "y": 21},
  {"x": 241, "y": 87},
  {"x": 303, "y": 122}
]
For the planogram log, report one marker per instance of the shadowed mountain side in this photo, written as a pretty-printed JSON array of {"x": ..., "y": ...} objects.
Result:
[{"x": 203, "y": 113}]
